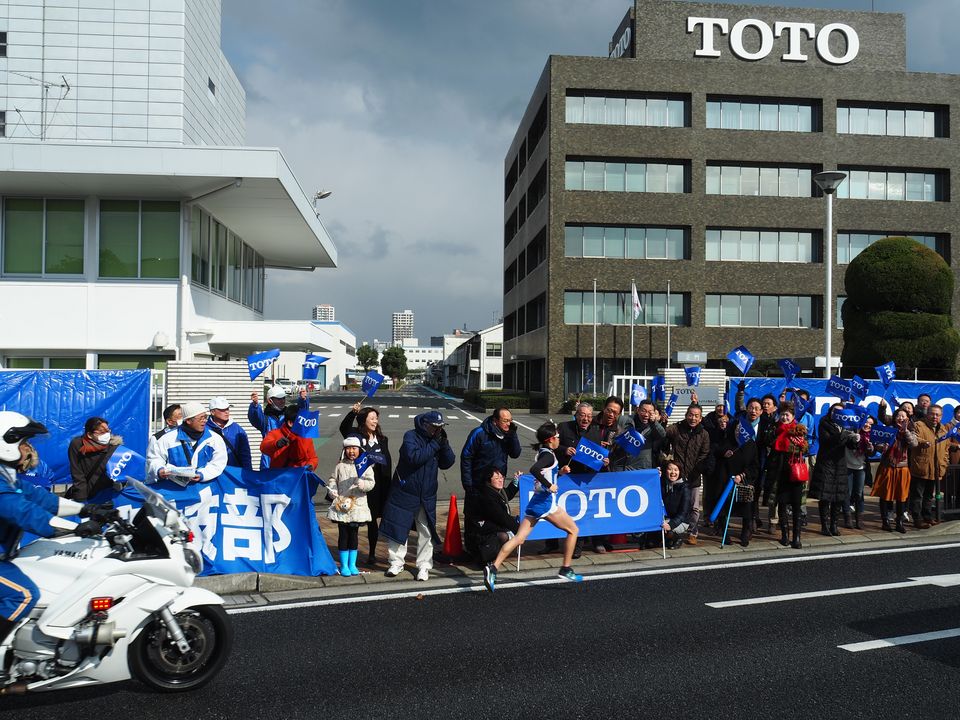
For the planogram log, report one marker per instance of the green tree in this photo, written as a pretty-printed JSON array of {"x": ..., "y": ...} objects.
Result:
[
  {"x": 394, "y": 363},
  {"x": 367, "y": 357},
  {"x": 898, "y": 307}
]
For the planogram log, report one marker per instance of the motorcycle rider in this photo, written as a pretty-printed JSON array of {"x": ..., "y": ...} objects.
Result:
[{"x": 25, "y": 506}]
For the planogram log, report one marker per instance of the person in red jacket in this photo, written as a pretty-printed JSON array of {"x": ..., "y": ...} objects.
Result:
[{"x": 287, "y": 449}]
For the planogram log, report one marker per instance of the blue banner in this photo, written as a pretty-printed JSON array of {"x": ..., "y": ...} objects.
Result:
[
  {"x": 887, "y": 373},
  {"x": 860, "y": 387},
  {"x": 850, "y": 417},
  {"x": 671, "y": 404},
  {"x": 590, "y": 454},
  {"x": 658, "y": 387},
  {"x": 371, "y": 382},
  {"x": 602, "y": 504},
  {"x": 362, "y": 463},
  {"x": 790, "y": 369},
  {"x": 881, "y": 434},
  {"x": 693, "y": 376},
  {"x": 259, "y": 362},
  {"x": 307, "y": 424},
  {"x": 248, "y": 521},
  {"x": 311, "y": 366},
  {"x": 637, "y": 394},
  {"x": 631, "y": 441},
  {"x": 124, "y": 463},
  {"x": 64, "y": 399},
  {"x": 839, "y": 387},
  {"x": 744, "y": 431},
  {"x": 742, "y": 358},
  {"x": 951, "y": 433}
]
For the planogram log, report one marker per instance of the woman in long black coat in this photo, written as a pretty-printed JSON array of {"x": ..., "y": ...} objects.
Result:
[
  {"x": 367, "y": 429},
  {"x": 829, "y": 482}
]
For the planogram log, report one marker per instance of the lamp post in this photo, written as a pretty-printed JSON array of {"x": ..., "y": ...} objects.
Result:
[{"x": 828, "y": 182}]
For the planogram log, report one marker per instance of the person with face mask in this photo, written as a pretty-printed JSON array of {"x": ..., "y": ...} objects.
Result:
[
  {"x": 88, "y": 455},
  {"x": 270, "y": 416}
]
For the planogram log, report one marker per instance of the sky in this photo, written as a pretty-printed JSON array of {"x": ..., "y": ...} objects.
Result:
[{"x": 405, "y": 109}]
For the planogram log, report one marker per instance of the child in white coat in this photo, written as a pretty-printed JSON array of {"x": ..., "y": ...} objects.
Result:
[{"x": 349, "y": 508}]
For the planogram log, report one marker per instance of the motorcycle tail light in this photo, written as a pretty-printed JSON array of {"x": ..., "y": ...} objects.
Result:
[
  {"x": 190, "y": 536},
  {"x": 100, "y": 604}
]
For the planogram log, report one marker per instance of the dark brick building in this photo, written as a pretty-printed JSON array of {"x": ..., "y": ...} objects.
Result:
[{"x": 687, "y": 157}]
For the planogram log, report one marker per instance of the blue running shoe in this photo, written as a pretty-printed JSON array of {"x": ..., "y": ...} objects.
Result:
[
  {"x": 490, "y": 577},
  {"x": 567, "y": 573}
]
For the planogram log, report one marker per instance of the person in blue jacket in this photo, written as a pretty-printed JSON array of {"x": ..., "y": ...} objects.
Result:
[
  {"x": 234, "y": 436},
  {"x": 413, "y": 493},
  {"x": 24, "y": 506},
  {"x": 270, "y": 416}
]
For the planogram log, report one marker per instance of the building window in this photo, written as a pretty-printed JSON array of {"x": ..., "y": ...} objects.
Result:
[
  {"x": 224, "y": 263},
  {"x": 851, "y": 244},
  {"x": 614, "y": 308},
  {"x": 841, "y": 299},
  {"x": 495, "y": 350},
  {"x": 738, "y": 244},
  {"x": 763, "y": 114},
  {"x": 211, "y": 86},
  {"x": 139, "y": 239},
  {"x": 785, "y": 311},
  {"x": 613, "y": 176},
  {"x": 759, "y": 180},
  {"x": 643, "y": 243},
  {"x": 893, "y": 120},
  {"x": 893, "y": 184},
  {"x": 628, "y": 109},
  {"x": 3, "y": 123},
  {"x": 494, "y": 381},
  {"x": 3, "y": 44},
  {"x": 42, "y": 237}
]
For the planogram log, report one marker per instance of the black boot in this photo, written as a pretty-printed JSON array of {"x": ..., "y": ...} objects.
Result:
[
  {"x": 846, "y": 520},
  {"x": 824, "y": 508},
  {"x": 856, "y": 520},
  {"x": 901, "y": 528},
  {"x": 795, "y": 544},
  {"x": 783, "y": 533},
  {"x": 834, "y": 516},
  {"x": 5, "y": 627}
]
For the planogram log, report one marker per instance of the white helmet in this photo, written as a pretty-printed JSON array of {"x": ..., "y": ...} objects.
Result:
[
  {"x": 14, "y": 429},
  {"x": 276, "y": 392}
]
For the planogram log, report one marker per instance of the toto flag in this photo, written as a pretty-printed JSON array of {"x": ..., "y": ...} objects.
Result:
[
  {"x": 742, "y": 358},
  {"x": 883, "y": 434},
  {"x": 693, "y": 375},
  {"x": 631, "y": 441},
  {"x": 850, "y": 417},
  {"x": 952, "y": 433},
  {"x": 658, "y": 386},
  {"x": 860, "y": 387},
  {"x": 371, "y": 382},
  {"x": 790, "y": 369},
  {"x": 637, "y": 394},
  {"x": 671, "y": 403},
  {"x": 590, "y": 454},
  {"x": 311, "y": 366},
  {"x": 261, "y": 361},
  {"x": 744, "y": 431},
  {"x": 800, "y": 406},
  {"x": 840, "y": 387},
  {"x": 307, "y": 424},
  {"x": 124, "y": 463},
  {"x": 887, "y": 373},
  {"x": 362, "y": 463}
]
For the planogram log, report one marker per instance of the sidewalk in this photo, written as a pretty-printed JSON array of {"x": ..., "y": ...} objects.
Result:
[{"x": 244, "y": 585}]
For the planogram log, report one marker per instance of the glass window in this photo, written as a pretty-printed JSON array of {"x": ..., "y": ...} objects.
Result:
[
  {"x": 67, "y": 363},
  {"x": 573, "y": 241},
  {"x": 750, "y": 116},
  {"x": 769, "y": 181},
  {"x": 789, "y": 311},
  {"x": 675, "y": 182},
  {"x": 749, "y": 245},
  {"x": 636, "y": 177},
  {"x": 929, "y": 124},
  {"x": 750, "y": 310},
  {"x": 249, "y": 280},
  {"x": 218, "y": 259},
  {"x": 657, "y": 112},
  {"x": 636, "y": 112},
  {"x": 876, "y": 121},
  {"x": 119, "y": 238},
  {"x": 805, "y": 118},
  {"x": 196, "y": 264},
  {"x": 23, "y": 236},
  {"x": 636, "y": 243},
  {"x": 676, "y": 113},
  {"x": 713, "y": 311},
  {"x": 769, "y": 311},
  {"x": 914, "y": 186},
  {"x": 769, "y": 117},
  {"x": 843, "y": 120},
  {"x": 789, "y": 117},
  {"x": 713, "y": 180},
  {"x": 613, "y": 308},
  {"x": 593, "y": 175},
  {"x": 160, "y": 240},
  {"x": 613, "y": 238},
  {"x": 896, "y": 185},
  {"x": 805, "y": 247},
  {"x": 615, "y": 111},
  {"x": 789, "y": 251},
  {"x": 574, "y": 109},
  {"x": 859, "y": 121},
  {"x": 895, "y": 122},
  {"x": 877, "y": 185},
  {"x": 675, "y": 244},
  {"x": 656, "y": 243},
  {"x": 24, "y": 363},
  {"x": 929, "y": 187},
  {"x": 64, "y": 237},
  {"x": 730, "y": 180},
  {"x": 789, "y": 182},
  {"x": 235, "y": 268},
  {"x": 804, "y": 182},
  {"x": 730, "y": 310},
  {"x": 205, "y": 247},
  {"x": 913, "y": 125},
  {"x": 713, "y": 114},
  {"x": 769, "y": 246},
  {"x": 574, "y": 175},
  {"x": 730, "y": 115},
  {"x": 614, "y": 176},
  {"x": 656, "y": 177},
  {"x": 713, "y": 244},
  {"x": 729, "y": 244},
  {"x": 750, "y": 181},
  {"x": 859, "y": 184},
  {"x": 805, "y": 305},
  {"x": 593, "y": 241},
  {"x": 593, "y": 110}
]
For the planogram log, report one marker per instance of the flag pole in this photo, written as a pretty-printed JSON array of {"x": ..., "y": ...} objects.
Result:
[
  {"x": 594, "y": 387},
  {"x": 668, "y": 323},
  {"x": 633, "y": 312}
]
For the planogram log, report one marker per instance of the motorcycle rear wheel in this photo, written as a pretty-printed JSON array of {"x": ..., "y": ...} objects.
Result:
[{"x": 156, "y": 660}]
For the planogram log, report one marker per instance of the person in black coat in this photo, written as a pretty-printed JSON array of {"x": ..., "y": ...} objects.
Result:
[
  {"x": 364, "y": 423},
  {"x": 742, "y": 463},
  {"x": 829, "y": 481},
  {"x": 493, "y": 523},
  {"x": 676, "y": 505}
]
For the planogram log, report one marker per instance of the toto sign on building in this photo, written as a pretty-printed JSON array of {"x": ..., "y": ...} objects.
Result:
[{"x": 711, "y": 28}]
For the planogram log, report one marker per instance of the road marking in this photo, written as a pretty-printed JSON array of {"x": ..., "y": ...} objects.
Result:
[
  {"x": 452, "y": 417},
  {"x": 938, "y": 580},
  {"x": 333, "y": 415},
  {"x": 505, "y": 583},
  {"x": 411, "y": 416},
  {"x": 900, "y": 640},
  {"x": 393, "y": 416}
]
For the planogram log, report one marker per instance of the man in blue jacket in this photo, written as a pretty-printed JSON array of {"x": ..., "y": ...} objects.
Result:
[
  {"x": 486, "y": 448},
  {"x": 413, "y": 493},
  {"x": 234, "y": 436},
  {"x": 270, "y": 416}
]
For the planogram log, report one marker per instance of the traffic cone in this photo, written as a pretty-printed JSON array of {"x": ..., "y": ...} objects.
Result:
[{"x": 452, "y": 540}]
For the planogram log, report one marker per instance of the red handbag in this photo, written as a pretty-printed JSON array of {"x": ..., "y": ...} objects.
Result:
[{"x": 799, "y": 472}]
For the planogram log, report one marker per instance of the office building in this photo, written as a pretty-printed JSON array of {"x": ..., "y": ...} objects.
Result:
[
  {"x": 402, "y": 326},
  {"x": 324, "y": 313}
]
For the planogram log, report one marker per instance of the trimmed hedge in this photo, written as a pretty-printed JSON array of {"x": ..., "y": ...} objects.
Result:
[
  {"x": 900, "y": 274},
  {"x": 493, "y": 398}
]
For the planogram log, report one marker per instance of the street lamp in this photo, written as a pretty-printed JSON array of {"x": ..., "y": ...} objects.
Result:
[
  {"x": 320, "y": 195},
  {"x": 828, "y": 182}
]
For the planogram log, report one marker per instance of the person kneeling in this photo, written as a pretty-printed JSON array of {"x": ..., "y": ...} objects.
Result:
[
  {"x": 493, "y": 524},
  {"x": 676, "y": 503}
]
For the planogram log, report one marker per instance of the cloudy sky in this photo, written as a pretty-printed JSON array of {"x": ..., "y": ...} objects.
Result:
[{"x": 405, "y": 109}]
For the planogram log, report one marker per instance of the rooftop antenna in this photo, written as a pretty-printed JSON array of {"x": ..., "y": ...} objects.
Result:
[{"x": 64, "y": 86}]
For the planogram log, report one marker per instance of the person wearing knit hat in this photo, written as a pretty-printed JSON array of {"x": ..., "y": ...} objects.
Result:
[
  {"x": 193, "y": 453},
  {"x": 349, "y": 509}
]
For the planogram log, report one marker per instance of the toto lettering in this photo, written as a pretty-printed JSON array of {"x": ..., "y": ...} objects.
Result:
[
  {"x": 794, "y": 32},
  {"x": 306, "y": 422},
  {"x": 261, "y": 364},
  {"x": 121, "y": 464},
  {"x": 623, "y": 44},
  {"x": 584, "y": 450}
]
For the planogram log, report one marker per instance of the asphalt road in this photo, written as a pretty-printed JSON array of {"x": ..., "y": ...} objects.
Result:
[{"x": 643, "y": 644}]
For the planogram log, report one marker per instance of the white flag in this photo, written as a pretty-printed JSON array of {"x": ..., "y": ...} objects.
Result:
[{"x": 636, "y": 301}]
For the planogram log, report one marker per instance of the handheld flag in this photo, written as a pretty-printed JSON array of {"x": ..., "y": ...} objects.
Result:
[
  {"x": 311, "y": 366},
  {"x": 744, "y": 431},
  {"x": 883, "y": 434},
  {"x": 307, "y": 424},
  {"x": 259, "y": 362},
  {"x": 658, "y": 386},
  {"x": 378, "y": 458},
  {"x": 693, "y": 375},
  {"x": 790, "y": 369},
  {"x": 860, "y": 387},
  {"x": 670, "y": 404},
  {"x": 362, "y": 463},
  {"x": 887, "y": 373},
  {"x": 850, "y": 417},
  {"x": 590, "y": 454},
  {"x": 124, "y": 462},
  {"x": 631, "y": 441},
  {"x": 637, "y": 394},
  {"x": 741, "y": 358},
  {"x": 371, "y": 382},
  {"x": 839, "y": 387},
  {"x": 800, "y": 406},
  {"x": 951, "y": 433}
]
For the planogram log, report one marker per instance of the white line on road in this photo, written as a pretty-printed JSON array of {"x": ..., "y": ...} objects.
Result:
[
  {"x": 411, "y": 416},
  {"x": 900, "y": 640},
  {"x": 506, "y": 583},
  {"x": 333, "y": 415},
  {"x": 393, "y": 416}
]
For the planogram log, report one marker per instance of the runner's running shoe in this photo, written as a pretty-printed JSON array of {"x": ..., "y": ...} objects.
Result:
[
  {"x": 567, "y": 573},
  {"x": 490, "y": 577}
]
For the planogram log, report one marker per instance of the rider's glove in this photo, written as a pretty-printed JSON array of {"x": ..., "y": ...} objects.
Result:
[{"x": 88, "y": 528}]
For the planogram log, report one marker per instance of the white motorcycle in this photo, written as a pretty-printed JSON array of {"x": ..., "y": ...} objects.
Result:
[{"x": 118, "y": 606}]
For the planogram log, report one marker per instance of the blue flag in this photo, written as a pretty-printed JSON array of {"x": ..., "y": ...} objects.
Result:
[
  {"x": 742, "y": 358},
  {"x": 800, "y": 406},
  {"x": 744, "y": 431},
  {"x": 887, "y": 373},
  {"x": 307, "y": 424},
  {"x": 883, "y": 434},
  {"x": 671, "y": 404},
  {"x": 790, "y": 369},
  {"x": 124, "y": 463},
  {"x": 850, "y": 417},
  {"x": 860, "y": 387},
  {"x": 311, "y": 366},
  {"x": 658, "y": 386},
  {"x": 371, "y": 382},
  {"x": 377, "y": 458},
  {"x": 261, "y": 361},
  {"x": 631, "y": 441},
  {"x": 588, "y": 380},
  {"x": 590, "y": 454},
  {"x": 839, "y": 387},
  {"x": 362, "y": 463},
  {"x": 951, "y": 433},
  {"x": 637, "y": 394},
  {"x": 693, "y": 375}
]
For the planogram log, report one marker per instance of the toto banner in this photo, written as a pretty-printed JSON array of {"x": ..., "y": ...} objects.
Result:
[{"x": 602, "y": 504}]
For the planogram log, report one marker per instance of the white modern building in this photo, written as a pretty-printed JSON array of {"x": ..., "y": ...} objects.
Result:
[
  {"x": 475, "y": 363},
  {"x": 332, "y": 375},
  {"x": 402, "y": 326},
  {"x": 135, "y": 226},
  {"x": 418, "y": 356},
  {"x": 324, "y": 313}
]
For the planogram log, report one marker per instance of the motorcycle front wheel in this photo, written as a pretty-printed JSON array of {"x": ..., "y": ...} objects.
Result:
[{"x": 156, "y": 660}]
